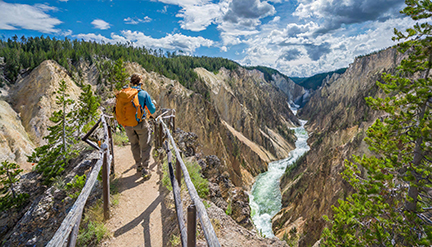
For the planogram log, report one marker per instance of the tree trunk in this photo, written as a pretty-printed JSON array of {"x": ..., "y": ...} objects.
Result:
[
  {"x": 64, "y": 125},
  {"x": 418, "y": 157},
  {"x": 11, "y": 185}
]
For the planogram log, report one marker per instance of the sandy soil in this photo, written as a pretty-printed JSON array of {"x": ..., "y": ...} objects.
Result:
[{"x": 136, "y": 220}]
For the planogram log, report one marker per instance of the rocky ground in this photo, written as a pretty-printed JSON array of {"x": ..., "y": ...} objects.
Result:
[{"x": 35, "y": 223}]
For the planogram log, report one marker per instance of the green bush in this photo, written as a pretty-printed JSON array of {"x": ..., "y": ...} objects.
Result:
[
  {"x": 200, "y": 183},
  {"x": 76, "y": 186},
  {"x": 9, "y": 175},
  {"x": 92, "y": 235},
  {"x": 297, "y": 163},
  {"x": 228, "y": 211},
  {"x": 92, "y": 229},
  {"x": 120, "y": 138}
]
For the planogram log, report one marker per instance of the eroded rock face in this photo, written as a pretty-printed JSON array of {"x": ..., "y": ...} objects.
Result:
[
  {"x": 15, "y": 143},
  {"x": 338, "y": 118},
  {"x": 290, "y": 88},
  {"x": 243, "y": 121},
  {"x": 36, "y": 223},
  {"x": 187, "y": 142},
  {"x": 33, "y": 97}
]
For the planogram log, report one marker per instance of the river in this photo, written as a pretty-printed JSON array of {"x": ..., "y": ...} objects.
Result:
[{"x": 265, "y": 198}]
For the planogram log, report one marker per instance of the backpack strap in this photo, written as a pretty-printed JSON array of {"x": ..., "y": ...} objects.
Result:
[{"x": 139, "y": 105}]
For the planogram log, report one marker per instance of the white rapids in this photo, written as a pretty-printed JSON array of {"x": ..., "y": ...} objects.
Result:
[{"x": 265, "y": 198}]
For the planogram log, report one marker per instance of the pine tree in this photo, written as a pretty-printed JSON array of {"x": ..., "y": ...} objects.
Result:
[
  {"x": 87, "y": 111},
  {"x": 391, "y": 198},
  {"x": 118, "y": 76},
  {"x": 9, "y": 175},
  {"x": 53, "y": 157}
]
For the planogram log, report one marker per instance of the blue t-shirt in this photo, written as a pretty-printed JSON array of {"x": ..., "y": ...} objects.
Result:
[{"x": 145, "y": 100}]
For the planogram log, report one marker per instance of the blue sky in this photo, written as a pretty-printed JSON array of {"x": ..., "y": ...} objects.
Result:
[{"x": 296, "y": 37}]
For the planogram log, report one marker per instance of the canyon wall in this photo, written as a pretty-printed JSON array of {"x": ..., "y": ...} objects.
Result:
[{"x": 337, "y": 117}]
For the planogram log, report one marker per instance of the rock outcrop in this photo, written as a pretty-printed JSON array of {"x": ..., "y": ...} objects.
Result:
[
  {"x": 33, "y": 97},
  {"x": 235, "y": 115},
  {"x": 239, "y": 117},
  {"x": 15, "y": 143},
  {"x": 290, "y": 88},
  {"x": 244, "y": 120},
  {"x": 338, "y": 117},
  {"x": 36, "y": 223}
]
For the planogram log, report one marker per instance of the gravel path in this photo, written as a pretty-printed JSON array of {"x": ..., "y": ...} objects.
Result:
[{"x": 136, "y": 220}]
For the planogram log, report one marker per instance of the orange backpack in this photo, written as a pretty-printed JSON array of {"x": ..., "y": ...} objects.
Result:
[{"x": 128, "y": 110}]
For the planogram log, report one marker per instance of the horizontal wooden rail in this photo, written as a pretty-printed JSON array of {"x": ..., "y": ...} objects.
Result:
[
  {"x": 177, "y": 198},
  {"x": 76, "y": 211},
  {"x": 206, "y": 225},
  {"x": 69, "y": 227}
]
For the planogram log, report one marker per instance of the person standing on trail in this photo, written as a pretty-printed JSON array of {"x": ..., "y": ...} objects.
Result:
[{"x": 133, "y": 107}]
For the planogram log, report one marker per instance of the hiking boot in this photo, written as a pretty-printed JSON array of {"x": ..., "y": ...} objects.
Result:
[
  {"x": 145, "y": 174},
  {"x": 139, "y": 167}
]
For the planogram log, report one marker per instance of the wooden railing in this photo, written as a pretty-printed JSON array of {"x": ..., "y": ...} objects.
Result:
[
  {"x": 68, "y": 231},
  {"x": 188, "y": 238}
]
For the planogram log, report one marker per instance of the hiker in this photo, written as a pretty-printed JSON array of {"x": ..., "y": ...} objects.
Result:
[{"x": 133, "y": 107}]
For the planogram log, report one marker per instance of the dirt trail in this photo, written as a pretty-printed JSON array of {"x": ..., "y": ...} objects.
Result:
[{"x": 136, "y": 220}]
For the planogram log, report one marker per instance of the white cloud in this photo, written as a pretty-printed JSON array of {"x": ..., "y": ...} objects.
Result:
[
  {"x": 334, "y": 14},
  {"x": 184, "y": 2},
  {"x": 197, "y": 18},
  {"x": 101, "y": 24},
  {"x": 136, "y": 20},
  {"x": 66, "y": 33},
  {"x": 293, "y": 51},
  {"x": 164, "y": 10},
  {"x": 232, "y": 17},
  {"x": 45, "y": 7},
  {"x": 176, "y": 41},
  {"x": 17, "y": 16},
  {"x": 187, "y": 44}
]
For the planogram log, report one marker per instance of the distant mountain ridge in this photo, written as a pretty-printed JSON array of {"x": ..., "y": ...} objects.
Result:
[
  {"x": 20, "y": 55},
  {"x": 314, "y": 82}
]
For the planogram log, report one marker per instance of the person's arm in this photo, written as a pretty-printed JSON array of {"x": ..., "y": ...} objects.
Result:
[{"x": 145, "y": 100}]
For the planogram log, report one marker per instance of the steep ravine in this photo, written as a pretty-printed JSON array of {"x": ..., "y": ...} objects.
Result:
[
  {"x": 265, "y": 198},
  {"x": 338, "y": 117},
  {"x": 243, "y": 121}
]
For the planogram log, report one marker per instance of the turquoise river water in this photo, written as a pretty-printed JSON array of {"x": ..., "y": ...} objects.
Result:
[{"x": 265, "y": 198}]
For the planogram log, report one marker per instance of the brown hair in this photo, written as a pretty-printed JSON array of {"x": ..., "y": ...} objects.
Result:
[{"x": 135, "y": 79}]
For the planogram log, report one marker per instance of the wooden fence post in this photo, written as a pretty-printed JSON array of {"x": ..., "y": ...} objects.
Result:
[
  {"x": 111, "y": 148},
  {"x": 178, "y": 172},
  {"x": 106, "y": 188},
  {"x": 191, "y": 226},
  {"x": 173, "y": 119},
  {"x": 160, "y": 135},
  {"x": 156, "y": 138}
]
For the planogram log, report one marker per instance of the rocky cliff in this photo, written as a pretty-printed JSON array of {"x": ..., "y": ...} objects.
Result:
[
  {"x": 288, "y": 86},
  {"x": 236, "y": 115},
  {"x": 240, "y": 118},
  {"x": 15, "y": 143},
  {"x": 338, "y": 117},
  {"x": 26, "y": 108},
  {"x": 244, "y": 120},
  {"x": 33, "y": 97}
]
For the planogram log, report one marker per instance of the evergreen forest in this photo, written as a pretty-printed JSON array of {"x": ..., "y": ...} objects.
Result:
[{"x": 25, "y": 53}]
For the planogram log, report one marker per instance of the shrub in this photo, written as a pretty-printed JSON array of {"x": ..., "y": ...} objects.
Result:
[
  {"x": 9, "y": 175},
  {"x": 76, "y": 186},
  {"x": 92, "y": 229},
  {"x": 200, "y": 183}
]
